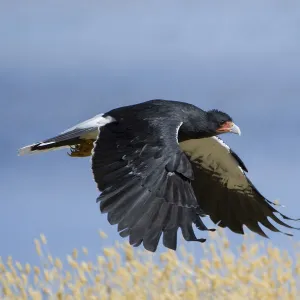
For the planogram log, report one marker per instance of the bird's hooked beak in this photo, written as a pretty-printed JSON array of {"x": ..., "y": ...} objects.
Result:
[{"x": 229, "y": 127}]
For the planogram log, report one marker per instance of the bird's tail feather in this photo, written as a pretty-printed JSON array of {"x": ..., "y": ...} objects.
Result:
[
  {"x": 66, "y": 139},
  {"x": 48, "y": 146},
  {"x": 79, "y": 138}
]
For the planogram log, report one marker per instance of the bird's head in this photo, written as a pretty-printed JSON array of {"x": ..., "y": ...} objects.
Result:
[{"x": 220, "y": 122}]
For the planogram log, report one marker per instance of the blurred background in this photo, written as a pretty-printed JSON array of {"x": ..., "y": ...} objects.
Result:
[{"x": 64, "y": 62}]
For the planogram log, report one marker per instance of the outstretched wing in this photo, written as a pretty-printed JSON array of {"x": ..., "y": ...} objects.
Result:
[
  {"x": 223, "y": 190},
  {"x": 145, "y": 180}
]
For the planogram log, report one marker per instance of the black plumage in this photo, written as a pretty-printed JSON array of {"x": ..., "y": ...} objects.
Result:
[
  {"x": 145, "y": 178},
  {"x": 153, "y": 181},
  {"x": 160, "y": 166}
]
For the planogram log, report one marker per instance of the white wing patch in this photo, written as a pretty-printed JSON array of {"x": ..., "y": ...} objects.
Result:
[{"x": 213, "y": 155}]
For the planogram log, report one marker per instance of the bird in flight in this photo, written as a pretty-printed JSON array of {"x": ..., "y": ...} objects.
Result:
[{"x": 160, "y": 166}]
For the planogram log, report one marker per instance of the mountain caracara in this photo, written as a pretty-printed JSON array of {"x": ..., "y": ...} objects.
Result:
[{"x": 160, "y": 166}]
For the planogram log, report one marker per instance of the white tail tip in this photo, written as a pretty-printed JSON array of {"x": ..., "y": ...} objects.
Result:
[{"x": 25, "y": 150}]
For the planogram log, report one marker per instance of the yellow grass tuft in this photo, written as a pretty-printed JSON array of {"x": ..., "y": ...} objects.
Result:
[{"x": 255, "y": 271}]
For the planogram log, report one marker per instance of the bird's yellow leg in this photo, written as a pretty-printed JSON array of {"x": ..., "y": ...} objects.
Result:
[{"x": 83, "y": 149}]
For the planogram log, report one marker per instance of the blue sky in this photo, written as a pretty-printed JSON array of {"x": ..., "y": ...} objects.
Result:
[{"x": 61, "y": 63}]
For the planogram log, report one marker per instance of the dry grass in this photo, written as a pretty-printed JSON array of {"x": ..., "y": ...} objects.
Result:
[{"x": 257, "y": 271}]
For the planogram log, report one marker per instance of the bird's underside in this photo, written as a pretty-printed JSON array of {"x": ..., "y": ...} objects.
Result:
[{"x": 152, "y": 182}]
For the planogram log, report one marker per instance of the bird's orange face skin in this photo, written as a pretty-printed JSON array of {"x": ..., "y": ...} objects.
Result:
[{"x": 226, "y": 127}]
